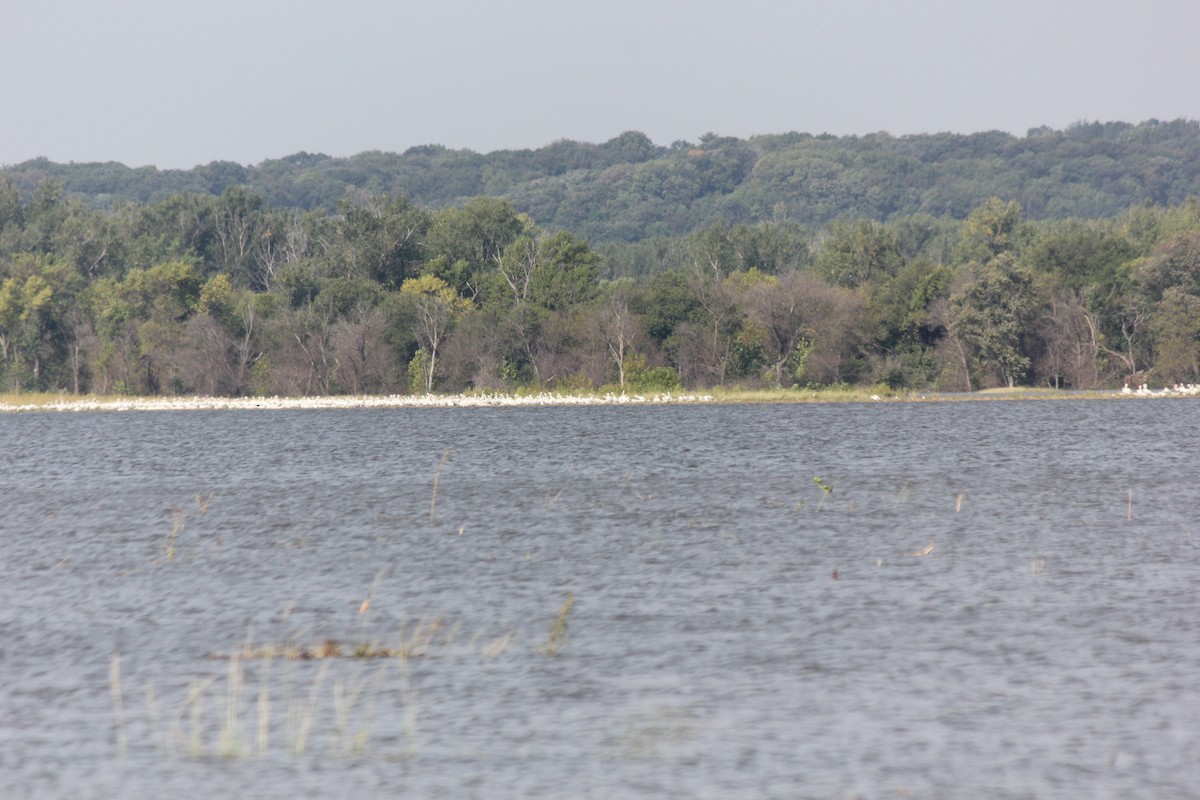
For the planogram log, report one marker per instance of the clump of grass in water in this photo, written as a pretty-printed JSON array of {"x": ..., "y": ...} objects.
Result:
[
  {"x": 176, "y": 529},
  {"x": 416, "y": 643},
  {"x": 558, "y": 630},
  {"x": 188, "y": 731},
  {"x": 352, "y": 702},
  {"x": 179, "y": 519},
  {"x": 826, "y": 488}
]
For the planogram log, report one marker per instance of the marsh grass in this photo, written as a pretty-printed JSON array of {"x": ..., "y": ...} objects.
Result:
[
  {"x": 865, "y": 394},
  {"x": 266, "y": 698},
  {"x": 213, "y": 717},
  {"x": 179, "y": 518},
  {"x": 558, "y": 630},
  {"x": 339, "y": 698},
  {"x": 177, "y": 523},
  {"x": 39, "y": 399},
  {"x": 409, "y": 643}
]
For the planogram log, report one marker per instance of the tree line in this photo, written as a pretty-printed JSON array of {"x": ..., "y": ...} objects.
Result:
[
  {"x": 629, "y": 189},
  {"x": 230, "y": 295}
]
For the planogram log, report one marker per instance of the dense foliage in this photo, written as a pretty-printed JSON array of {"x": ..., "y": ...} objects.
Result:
[
  {"x": 629, "y": 189},
  {"x": 957, "y": 262}
]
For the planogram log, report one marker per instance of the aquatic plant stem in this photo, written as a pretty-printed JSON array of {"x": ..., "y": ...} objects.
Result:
[
  {"x": 114, "y": 685},
  {"x": 230, "y": 742},
  {"x": 558, "y": 631},
  {"x": 436, "y": 477},
  {"x": 264, "y": 709},
  {"x": 176, "y": 528},
  {"x": 409, "y": 697},
  {"x": 309, "y": 713}
]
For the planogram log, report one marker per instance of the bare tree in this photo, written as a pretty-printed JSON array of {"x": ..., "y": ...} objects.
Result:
[
  {"x": 205, "y": 358},
  {"x": 549, "y": 340},
  {"x": 303, "y": 359},
  {"x": 720, "y": 316},
  {"x": 81, "y": 340},
  {"x": 480, "y": 351},
  {"x": 518, "y": 264},
  {"x": 362, "y": 358},
  {"x": 618, "y": 327},
  {"x": 286, "y": 240},
  {"x": 246, "y": 352},
  {"x": 1069, "y": 351},
  {"x": 1132, "y": 323},
  {"x": 236, "y": 220},
  {"x": 837, "y": 345},
  {"x": 787, "y": 310}
]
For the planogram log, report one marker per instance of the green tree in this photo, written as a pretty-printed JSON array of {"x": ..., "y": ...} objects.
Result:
[
  {"x": 468, "y": 241},
  {"x": 568, "y": 272},
  {"x": 989, "y": 230},
  {"x": 1079, "y": 255},
  {"x": 12, "y": 214},
  {"x": 24, "y": 313},
  {"x": 42, "y": 217},
  {"x": 670, "y": 301},
  {"x": 433, "y": 308},
  {"x": 141, "y": 321},
  {"x": 1176, "y": 263},
  {"x": 900, "y": 305},
  {"x": 1175, "y": 328},
  {"x": 988, "y": 315},
  {"x": 35, "y": 304},
  {"x": 853, "y": 254},
  {"x": 381, "y": 238}
]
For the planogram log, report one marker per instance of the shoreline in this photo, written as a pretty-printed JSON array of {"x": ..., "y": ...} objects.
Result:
[{"x": 69, "y": 403}]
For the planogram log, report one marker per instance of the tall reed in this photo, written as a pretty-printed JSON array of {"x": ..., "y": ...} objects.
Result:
[
  {"x": 177, "y": 522},
  {"x": 114, "y": 687},
  {"x": 558, "y": 630},
  {"x": 436, "y": 477}
]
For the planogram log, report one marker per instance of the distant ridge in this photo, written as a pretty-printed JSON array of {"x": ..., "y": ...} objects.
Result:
[{"x": 629, "y": 188}]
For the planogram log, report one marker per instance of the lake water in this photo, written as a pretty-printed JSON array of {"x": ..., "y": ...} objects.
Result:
[{"x": 1045, "y": 645}]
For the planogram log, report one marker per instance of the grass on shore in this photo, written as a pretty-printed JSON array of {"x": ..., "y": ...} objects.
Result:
[
  {"x": 43, "y": 398},
  {"x": 840, "y": 394}
]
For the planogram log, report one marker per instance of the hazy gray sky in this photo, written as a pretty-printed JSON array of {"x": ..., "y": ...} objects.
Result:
[{"x": 177, "y": 83}]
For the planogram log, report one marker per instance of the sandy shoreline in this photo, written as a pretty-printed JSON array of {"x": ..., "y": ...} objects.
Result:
[
  {"x": 359, "y": 401},
  {"x": 12, "y": 403}
]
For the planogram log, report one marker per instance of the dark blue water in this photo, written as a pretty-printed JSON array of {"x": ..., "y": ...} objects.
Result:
[{"x": 1046, "y": 646}]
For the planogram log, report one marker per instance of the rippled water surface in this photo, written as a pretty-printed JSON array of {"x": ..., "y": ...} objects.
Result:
[{"x": 1046, "y": 646}]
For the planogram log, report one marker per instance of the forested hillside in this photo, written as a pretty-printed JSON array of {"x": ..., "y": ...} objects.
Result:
[
  {"x": 629, "y": 189},
  {"x": 957, "y": 262}
]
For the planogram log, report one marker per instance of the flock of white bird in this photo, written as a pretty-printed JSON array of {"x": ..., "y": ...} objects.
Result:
[
  {"x": 1182, "y": 389},
  {"x": 360, "y": 401}
]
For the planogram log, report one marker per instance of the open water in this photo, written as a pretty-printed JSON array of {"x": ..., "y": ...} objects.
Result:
[{"x": 1045, "y": 644}]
